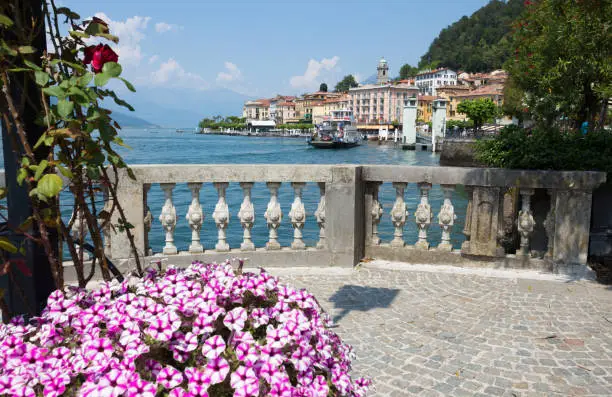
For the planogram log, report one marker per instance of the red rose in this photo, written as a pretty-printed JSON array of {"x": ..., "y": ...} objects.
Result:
[{"x": 98, "y": 56}]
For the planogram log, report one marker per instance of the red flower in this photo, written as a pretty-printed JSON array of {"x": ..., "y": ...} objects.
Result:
[{"x": 98, "y": 56}]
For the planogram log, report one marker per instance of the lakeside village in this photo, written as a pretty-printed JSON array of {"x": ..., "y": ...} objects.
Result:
[{"x": 377, "y": 109}]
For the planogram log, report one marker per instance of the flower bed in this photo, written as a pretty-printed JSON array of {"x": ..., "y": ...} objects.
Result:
[{"x": 203, "y": 331}]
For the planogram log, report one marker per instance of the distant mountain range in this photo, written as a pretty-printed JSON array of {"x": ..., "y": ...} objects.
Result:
[
  {"x": 171, "y": 107},
  {"x": 127, "y": 120}
]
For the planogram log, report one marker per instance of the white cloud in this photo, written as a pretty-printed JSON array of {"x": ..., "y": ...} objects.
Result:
[
  {"x": 316, "y": 72},
  {"x": 130, "y": 33},
  {"x": 358, "y": 77},
  {"x": 231, "y": 73},
  {"x": 153, "y": 59},
  {"x": 163, "y": 27},
  {"x": 171, "y": 73}
]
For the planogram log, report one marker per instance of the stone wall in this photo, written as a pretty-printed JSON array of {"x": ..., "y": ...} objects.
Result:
[{"x": 458, "y": 153}]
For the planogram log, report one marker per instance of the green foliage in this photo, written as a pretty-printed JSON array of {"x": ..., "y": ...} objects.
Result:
[
  {"x": 300, "y": 126},
  {"x": 563, "y": 59},
  {"x": 477, "y": 43},
  {"x": 323, "y": 87},
  {"x": 218, "y": 123},
  {"x": 346, "y": 83},
  {"x": 547, "y": 149},
  {"x": 478, "y": 110},
  {"x": 407, "y": 71},
  {"x": 459, "y": 123}
]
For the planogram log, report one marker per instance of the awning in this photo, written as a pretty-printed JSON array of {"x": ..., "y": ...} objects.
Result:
[{"x": 262, "y": 123}]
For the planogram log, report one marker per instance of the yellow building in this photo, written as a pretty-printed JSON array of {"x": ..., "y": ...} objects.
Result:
[
  {"x": 304, "y": 106},
  {"x": 424, "y": 107},
  {"x": 453, "y": 95}
]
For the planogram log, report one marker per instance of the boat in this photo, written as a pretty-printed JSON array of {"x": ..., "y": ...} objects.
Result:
[
  {"x": 337, "y": 131},
  {"x": 180, "y": 130}
]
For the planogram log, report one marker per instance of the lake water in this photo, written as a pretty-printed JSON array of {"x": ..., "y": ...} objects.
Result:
[{"x": 169, "y": 147}]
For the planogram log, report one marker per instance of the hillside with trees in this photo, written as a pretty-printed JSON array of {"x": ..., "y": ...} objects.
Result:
[{"x": 476, "y": 43}]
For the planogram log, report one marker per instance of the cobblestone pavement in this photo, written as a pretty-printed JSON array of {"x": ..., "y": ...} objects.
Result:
[{"x": 443, "y": 334}]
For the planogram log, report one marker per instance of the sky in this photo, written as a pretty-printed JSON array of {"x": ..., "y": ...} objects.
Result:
[{"x": 268, "y": 47}]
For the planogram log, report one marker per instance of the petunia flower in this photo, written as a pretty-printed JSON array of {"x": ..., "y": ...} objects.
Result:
[
  {"x": 235, "y": 319},
  {"x": 217, "y": 369},
  {"x": 169, "y": 377},
  {"x": 213, "y": 347}
]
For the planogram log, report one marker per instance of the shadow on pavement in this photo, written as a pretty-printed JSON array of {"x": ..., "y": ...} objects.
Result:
[{"x": 356, "y": 297}]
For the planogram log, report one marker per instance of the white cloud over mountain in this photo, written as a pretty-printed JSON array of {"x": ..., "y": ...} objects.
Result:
[
  {"x": 231, "y": 73},
  {"x": 163, "y": 27},
  {"x": 316, "y": 72},
  {"x": 172, "y": 74}
]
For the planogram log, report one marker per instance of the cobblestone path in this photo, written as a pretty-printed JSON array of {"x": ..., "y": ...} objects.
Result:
[{"x": 439, "y": 334}]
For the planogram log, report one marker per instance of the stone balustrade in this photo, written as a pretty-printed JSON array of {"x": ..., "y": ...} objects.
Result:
[{"x": 507, "y": 218}]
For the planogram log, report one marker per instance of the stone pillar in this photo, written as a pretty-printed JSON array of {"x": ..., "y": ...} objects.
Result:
[
  {"x": 130, "y": 196},
  {"x": 409, "y": 123},
  {"x": 373, "y": 213},
  {"x": 485, "y": 222},
  {"x": 572, "y": 225},
  {"x": 438, "y": 122},
  {"x": 344, "y": 215}
]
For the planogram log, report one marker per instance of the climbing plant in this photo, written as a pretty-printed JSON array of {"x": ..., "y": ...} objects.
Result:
[{"x": 69, "y": 82}]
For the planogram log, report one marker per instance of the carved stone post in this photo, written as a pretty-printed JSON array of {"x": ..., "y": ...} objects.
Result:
[
  {"x": 247, "y": 216},
  {"x": 549, "y": 224},
  {"x": 221, "y": 217},
  {"x": 399, "y": 212},
  {"x": 168, "y": 218},
  {"x": 485, "y": 222},
  {"x": 376, "y": 212},
  {"x": 273, "y": 216},
  {"x": 423, "y": 216},
  {"x": 467, "y": 227},
  {"x": 195, "y": 218},
  {"x": 147, "y": 218},
  {"x": 297, "y": 216},
  {"x": 320, "y": 216},
  {"x": 525, "y": 222},
  {"x": 446, "y": 218}
]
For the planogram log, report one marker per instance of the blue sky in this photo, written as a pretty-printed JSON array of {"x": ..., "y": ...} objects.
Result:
[{"x": 261, "y": 48}]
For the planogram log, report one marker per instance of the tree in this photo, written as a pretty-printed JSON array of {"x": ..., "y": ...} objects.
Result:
[
  {"x": 407, "y": 71},
  {"x": 478, "y": 110},
  {"x": 323, "y": 87},
  {"x": 346, "y": 83},
  {"x": 562, "y": 60}
]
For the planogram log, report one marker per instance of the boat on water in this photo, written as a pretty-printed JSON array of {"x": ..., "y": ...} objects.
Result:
[
  {"x": 337, "y": 131},
  {"x": 180, "y": 130}
]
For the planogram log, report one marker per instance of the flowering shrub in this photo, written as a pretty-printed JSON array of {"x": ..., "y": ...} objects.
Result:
[{"x": 203, "y": 331}]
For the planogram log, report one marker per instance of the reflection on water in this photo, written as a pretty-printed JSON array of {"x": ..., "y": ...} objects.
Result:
[{"x": 168, "y": 147}]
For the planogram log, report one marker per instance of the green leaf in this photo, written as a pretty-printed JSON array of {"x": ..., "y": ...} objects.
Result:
[
  {"x": 128, "y": 84},
  {"x": 42, "y": 78},
  {"x": 40, "y": 169},
  {"x": 85, "y": 79},
  {"x": 26, "y": 49},
  {"x": 6, "y": 245},
  {"x": 76, "y": 33},
  {"x": 110, "y": 37},
  {"x": 101, "y": 79},
  {"x": 5, "y": 21},
  {"x": 96, "y": 29},
  {"x": 65, "y": 108},
  {"x": 113, "y": 69},
  {"x": 55, "y": 90},
  {"x": 65, "y": 171},
  {"x": 25, "y": 161},
  {"x": 32, "y": 65},
  {"x": 16, "y": 70},
  {"x": 21, "y": 175},
  {"x": 50, "y": 185},
  {"x": 68, "y": 12}
]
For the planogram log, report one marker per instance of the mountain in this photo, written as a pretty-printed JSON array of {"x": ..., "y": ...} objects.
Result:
[
  {"x": 128, "y": 120},
  {"x": 175, "y": 107},
  {"x": 477, "y": 43}
]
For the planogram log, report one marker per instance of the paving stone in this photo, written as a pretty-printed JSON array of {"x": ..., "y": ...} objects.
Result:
[{"x": 430, "y": 334}]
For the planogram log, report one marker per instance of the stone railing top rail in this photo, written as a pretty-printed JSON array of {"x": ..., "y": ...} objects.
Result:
[
  {"x": 530, "y": 179},
  {"x": 171, "y": 173}
]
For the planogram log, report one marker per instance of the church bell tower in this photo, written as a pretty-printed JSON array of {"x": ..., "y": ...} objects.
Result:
[{"x": 383, "y": 72}]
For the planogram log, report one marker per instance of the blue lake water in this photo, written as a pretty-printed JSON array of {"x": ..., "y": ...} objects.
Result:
[{"x": 166, "y": 146}]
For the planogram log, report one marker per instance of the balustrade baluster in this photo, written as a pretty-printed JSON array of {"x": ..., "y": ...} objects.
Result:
[
  {"x": 525, "y": 222},
  {"x": 320, "y": 216},
  {"x": 247, "y": 216},
  {"x": 147, "y": 218},
  {"x": 549, "y": 223},
  {"x": 195, "y": 218},
  {"x": 297, "y": 216},
  {"x": 221, "y": 217},
  {"x": 106, "y": 230},
  {"x": 273, "y": 216},
  {"x": 423, "y": 216},
  {"x": 399, "y": 212},
  {"x": 79, "y": 229},
  {"x": 376, "y": 212},
  {"x": 467, "y": 227},
  {"x": 446, "y": 218},
  {"x": 168, "y": 218}
]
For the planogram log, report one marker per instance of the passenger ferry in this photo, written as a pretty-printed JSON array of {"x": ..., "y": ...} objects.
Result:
[{"x": 337, "y": 131}]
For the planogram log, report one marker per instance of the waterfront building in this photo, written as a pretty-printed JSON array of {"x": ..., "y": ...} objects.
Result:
[
  {"x": 382, "y": 72},
  {"x": 475, "y": 80},
  {"x": 273, "y": 112},
  {"x": 375, "y": 105},
  {"x": 304, "y": 106},
  {"x": 429, "y": 81},
  {"x": 285, "y": 113},
  {"x": 258, "y": 109},
  {"x": 452, "y": 95},
  {"x": 424, "y": 108}
]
